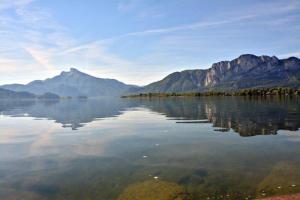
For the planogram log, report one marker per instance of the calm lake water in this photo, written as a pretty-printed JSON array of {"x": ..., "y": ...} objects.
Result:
[{"x": 211, "y": 147}]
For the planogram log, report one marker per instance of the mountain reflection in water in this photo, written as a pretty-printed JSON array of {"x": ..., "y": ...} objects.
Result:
[
  {"x": 246, "y": 116},
  {"x": 124, "y": 148}
]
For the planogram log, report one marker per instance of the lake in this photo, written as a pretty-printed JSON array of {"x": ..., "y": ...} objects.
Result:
[{"x": 112, "y": 148}]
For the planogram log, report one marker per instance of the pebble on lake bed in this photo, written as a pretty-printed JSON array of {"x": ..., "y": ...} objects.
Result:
[
  {"x": 293, "y": 185},
  {"x": 155, "y": 177}
]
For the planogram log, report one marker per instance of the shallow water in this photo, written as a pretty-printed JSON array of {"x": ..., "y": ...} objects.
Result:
[{"x": 212, "y": 147}]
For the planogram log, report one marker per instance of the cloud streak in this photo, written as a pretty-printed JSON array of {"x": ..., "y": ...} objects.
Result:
[
  {"x": 32, "y": 39},
  {"x": 7, "y": 4},
  {"x": 258, "y": 11}
]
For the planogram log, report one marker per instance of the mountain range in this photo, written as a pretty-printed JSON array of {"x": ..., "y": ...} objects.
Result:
[
  {"x": 8, "y": 94},
  {"x": 15, "y": 95},
  {"x": 246, "y": 71},
  {"x": 73, "y": 83}
]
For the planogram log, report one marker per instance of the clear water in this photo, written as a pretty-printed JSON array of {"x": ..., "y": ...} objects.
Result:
[{"x": 212, "y": 147}]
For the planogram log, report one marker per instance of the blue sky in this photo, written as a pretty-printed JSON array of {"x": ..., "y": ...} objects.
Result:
[{"x": 139, "y": 41}]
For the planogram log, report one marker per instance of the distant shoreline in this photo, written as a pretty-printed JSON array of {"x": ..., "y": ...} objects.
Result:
[{"x": 243, "y": 92}]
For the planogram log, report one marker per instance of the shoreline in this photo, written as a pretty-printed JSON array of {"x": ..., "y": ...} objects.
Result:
[{"x": 278, "y": 91}]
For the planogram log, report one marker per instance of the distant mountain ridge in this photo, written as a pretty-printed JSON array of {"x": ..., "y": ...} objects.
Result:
[
  {"x": 246, "y": 71},
  {"x": 8, "y": 94},
  {"x": 73, "y": 83}
]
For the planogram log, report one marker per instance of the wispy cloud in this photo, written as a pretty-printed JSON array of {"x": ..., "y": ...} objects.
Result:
[
  {"x": 263, "y": 9},
  {"x": 6, "y": 4},
  {"x": 257, "y": 11},
  {"x": 29, "y": 38},
  {"x": 196, "y": 25},
  {"x": 32, "y": 39},
  {"x": 42, "y": 57}
]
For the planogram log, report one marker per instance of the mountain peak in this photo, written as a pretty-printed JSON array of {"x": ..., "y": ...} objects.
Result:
[
  {"x": 247, "y": 56},
  {"x": 72, "y": 69},
  {"x": 73, "y": 82},
  {"x": 264, "y": 58}
]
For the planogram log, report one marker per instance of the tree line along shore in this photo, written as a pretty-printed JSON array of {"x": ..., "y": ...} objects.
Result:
[{"x": 243, "y": 92}]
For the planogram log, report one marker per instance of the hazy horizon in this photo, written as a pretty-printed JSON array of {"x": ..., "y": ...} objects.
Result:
[
  {"x": 78, "y": 69},
  {"x": 138, "y": 41}
]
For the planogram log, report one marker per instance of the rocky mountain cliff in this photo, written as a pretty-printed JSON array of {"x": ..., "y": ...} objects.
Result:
[
  {"x": 73, "y": 83},
  {"x": 246, "y": 71}
]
